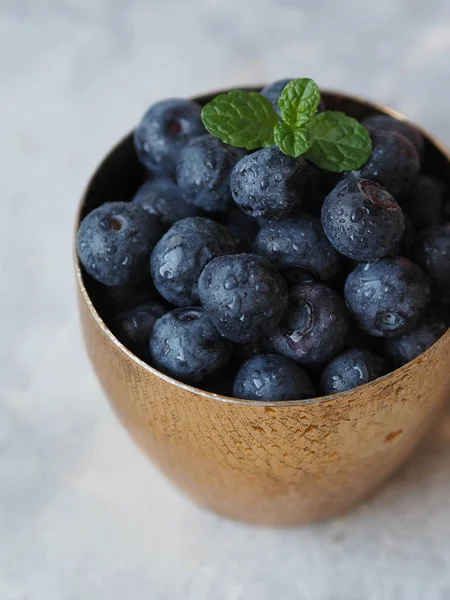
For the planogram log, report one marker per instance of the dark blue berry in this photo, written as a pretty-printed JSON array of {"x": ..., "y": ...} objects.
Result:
[
  {"x": 394, "y": 162},
  {"x": 133, "y": 327},
  {"x": 402, "y": 349},
  {"x": 271, "y": 377},
  {"x": 387, "y": 297},
  {"x": 269, "y": 184},
  {"x": 423, "y": 202},
  {"x": 203, "y": 173},
  {"x": 162, "y": 198},
  {"x": 244, "y": 295},
  {"x": 432, "y": 252},
  {"x": 313, "y": 328},
  {"x": 164, "y": 131},
  {"x": 181, "y": 255},
  {"x": 115, "y": 241},
  {"x": 350, "y": 369},
  {"x": 299, "y": 242},
  {"x": 388, "y": 123},
  {"x": 362, "y": 220},
  {"x": 185, "y": 344},
  {"x": 243, "y": 228}
]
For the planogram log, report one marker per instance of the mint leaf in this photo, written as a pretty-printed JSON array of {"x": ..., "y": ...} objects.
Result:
[
  {"x": 339, "y": 143},
  {"x": 242, "y": 119},
  {"x": 293, "y": 142},
  {"x": 299, "y": 101}
]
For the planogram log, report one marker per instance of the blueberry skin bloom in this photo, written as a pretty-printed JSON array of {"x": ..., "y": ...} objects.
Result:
[
  {"x": 314, "y": 326},
  {"x": 386, "y": 298},
  {"x": 185, "y": 344},
  {"x": 164, "y": 131},
  {"x": 402, "y": 349},
  {"x": 181, "y": 255},
  {"x": 272, "y": 378},
  {"x": 133, "y": 327},
  {"x": 394, "y": 162},
  {"x": 114, "y": 242},
  {"x": 269, "y": 184},
  {"x": 351, "y": 369},
  {"x": 431, "y": 251},
  {"x": 162, "y": 198},
  {"x": 203, "y": 173},
  {"x": 388, "y": 123},
  {"x": 362, "y": 220},
  {"x": 244, "y": 295},
  {"x": 299, "y": 242}
]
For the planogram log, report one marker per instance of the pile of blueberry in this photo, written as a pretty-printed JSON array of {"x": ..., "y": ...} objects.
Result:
[{"x": 261, "y": 276}]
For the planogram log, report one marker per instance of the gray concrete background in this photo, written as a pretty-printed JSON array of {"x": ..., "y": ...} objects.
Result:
[{"x": 82, "y": 514}]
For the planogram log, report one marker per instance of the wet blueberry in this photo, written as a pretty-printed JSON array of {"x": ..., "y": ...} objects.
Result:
[
  {"x": 269, "y": 184},
  {"x": 162, "y": 198},
  {"x": 350, "y": 369},
  {"x": 299, "y": 242},
  {"x": 164, "y": 131},
  {"x": 182, "y": 253},
  {"x": 313, "y": 328},
  {"x": 403, "y": 127},
  {"x": 203, "y": 173},
  {"x": 185, "y": 344},
  {"x": 271, "y": 377},
  {"x": 386, "y": 298},
  {"x": 114, "y": 242},
  {"x": 432, "y": 252},
  {"x": 244, "y": 295},
  {"x": 402, "y": 349},
  {"x": 394, "y": 162},
  {"x": 362, "y": 220}
]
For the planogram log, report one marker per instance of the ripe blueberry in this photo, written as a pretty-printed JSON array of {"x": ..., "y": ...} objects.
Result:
[
  {"x": 182, "y": 253},
  {"x": 271, "y": 377},
  {"x": 362, "y": 220},
  {"x": 244, "y": 295},
  {"x": 432, "y": 252},
  {"x": 403, "y": 127},
  {"x": 114, "y": 242},
  {"x": 350, "y": 369},
  {"x": 162, "y": 198},
  {"x": 386, "y": 298}
]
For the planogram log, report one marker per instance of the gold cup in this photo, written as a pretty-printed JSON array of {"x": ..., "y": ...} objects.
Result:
[{"x": 264, "y": 462}]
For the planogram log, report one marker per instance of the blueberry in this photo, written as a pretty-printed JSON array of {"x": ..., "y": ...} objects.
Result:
[
  {"x": 403, "y": 127},
  {"x": 269, "y": 184},
  {"x": 314, "y": 326},
  {"x": 185, "y": 344},
  {"x": 162, "y": 198},
  {"x": 387, "y": 297},
  {"x": 164, "y": 131},
  {"x": 362, "y": 220},
  {"x": 133, "y": 327},
  {"x": 115, "y": 241},
  {"x": 244, "y": 295},
  {"x": 394, "y": 162},
  {"x": 350, "y": 369},
  {"x": 181, "y": 255},
  {"x": 299, "y": 242},
  {"x": 297, "y": 276},
  {"x": 423, "y": 202},
  {"x": 243, "y": 228},
  {"x": 402, "y": 349},
  {"x": 271, "y": 377},
  {"x": 432, "y": 252},
  {"x": 203, "y": 173}
]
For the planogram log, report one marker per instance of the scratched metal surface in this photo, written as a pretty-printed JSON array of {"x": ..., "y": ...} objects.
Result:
[{"x": 82, "y": 512}]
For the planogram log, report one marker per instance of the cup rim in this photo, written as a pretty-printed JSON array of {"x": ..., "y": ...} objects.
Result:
[{"x": 211, "y": 395}]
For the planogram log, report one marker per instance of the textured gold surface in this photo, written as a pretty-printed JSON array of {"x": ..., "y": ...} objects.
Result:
[{"x": 278, "y": 463}]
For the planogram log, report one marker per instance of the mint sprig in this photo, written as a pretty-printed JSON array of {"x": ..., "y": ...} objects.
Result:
[{"x": 331, "y": 140}]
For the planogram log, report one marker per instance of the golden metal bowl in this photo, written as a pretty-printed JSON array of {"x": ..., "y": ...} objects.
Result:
[{"x": 273, "y": 463}]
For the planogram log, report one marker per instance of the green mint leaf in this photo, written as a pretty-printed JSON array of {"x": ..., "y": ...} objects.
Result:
[
  {"x": 242, "y": 119},
  {"x": 293, "y": 142},
  {"x": 339, "y": 143},
  {"x": 299, "y": 102}
]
